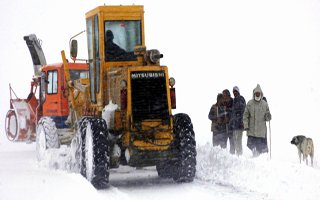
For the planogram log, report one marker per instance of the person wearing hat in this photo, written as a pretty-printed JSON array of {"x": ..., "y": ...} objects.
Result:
[
  {"x": 255, "y": 116},
  {"x": 218, "y": 128},
  {"x": 236, "y": 121},
  {"x": 227, "y": 103}
]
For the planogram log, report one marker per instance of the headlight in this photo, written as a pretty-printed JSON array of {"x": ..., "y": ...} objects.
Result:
[{"x": 172, "y": 82}]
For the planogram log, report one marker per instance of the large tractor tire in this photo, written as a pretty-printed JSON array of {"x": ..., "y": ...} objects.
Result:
[
  {"x": 165, "y": 169},
  {"x": 95, "y": 151},
  {"x": 47, "y": 137},
  {"x": 185, "y": 146}
]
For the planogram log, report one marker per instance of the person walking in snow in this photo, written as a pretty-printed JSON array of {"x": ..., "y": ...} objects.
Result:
[
  {"x": 227, "y": 103},
  {"x": 218, "y": 128},
  {"x": 255, "y": 116},
  {"x": 236, "y": 121}
]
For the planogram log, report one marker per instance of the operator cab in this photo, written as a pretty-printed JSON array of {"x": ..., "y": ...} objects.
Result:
[
  {"x": 120, "y": 37},
  {"x": 113, "y": 33}
]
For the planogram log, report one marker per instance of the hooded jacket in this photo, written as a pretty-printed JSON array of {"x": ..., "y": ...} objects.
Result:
[
  {"x": 255, "y": 116},
  {"x": 217, "y": 116}
]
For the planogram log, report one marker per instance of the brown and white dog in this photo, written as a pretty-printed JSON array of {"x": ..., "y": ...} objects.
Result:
[{"x": 305, "y": 147}]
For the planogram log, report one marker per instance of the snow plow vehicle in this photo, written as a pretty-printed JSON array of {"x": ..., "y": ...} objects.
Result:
[
  {"x": 52, "y": 102},
  {"x": 120, "y": 111}
]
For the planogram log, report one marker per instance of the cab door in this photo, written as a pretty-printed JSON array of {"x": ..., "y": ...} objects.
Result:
[
  {"x": 94, "y": 58},
  {"x": 53, "y": 102}
]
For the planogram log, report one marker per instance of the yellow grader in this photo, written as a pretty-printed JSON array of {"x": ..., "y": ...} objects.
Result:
[{"x": 119, "y": 111}]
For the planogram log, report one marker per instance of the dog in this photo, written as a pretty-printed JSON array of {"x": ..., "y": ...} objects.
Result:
[{"x": 305, "y": 147}]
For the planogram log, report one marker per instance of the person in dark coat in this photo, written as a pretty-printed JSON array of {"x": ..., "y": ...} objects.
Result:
[
  {"x": 255, "y": 116},
  {"x": 112, "y": 50},
  {"x": 227, "y": 103},
  {"x": 218, "y": 128},
  {"x": 236, "y": 121}
]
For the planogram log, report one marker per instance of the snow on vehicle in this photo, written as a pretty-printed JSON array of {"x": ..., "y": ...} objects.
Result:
[{"x": 121, "y": 114}]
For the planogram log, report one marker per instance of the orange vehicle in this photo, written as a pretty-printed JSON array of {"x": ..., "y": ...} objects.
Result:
[
  {"x": 55, "y": 98},
  {"x": 51, "y": 100}
]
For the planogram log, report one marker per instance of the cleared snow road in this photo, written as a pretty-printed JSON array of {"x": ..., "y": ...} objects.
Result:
[
  {"x": 22, "y": 177},
  {"x": 145, "y": 184}
]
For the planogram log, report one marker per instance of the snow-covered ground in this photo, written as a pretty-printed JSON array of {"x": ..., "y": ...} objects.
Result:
[
  {"x": 208, "y": 46},
  {"x": 219, "y": 176}
]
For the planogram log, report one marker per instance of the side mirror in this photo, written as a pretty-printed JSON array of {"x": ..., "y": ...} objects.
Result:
[{"x": 74, "y": 50}]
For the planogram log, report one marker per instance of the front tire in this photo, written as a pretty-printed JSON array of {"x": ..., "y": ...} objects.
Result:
[
  {"x": 185, "y": 146},
  {"x": 95, "y": 151},
  {"x": 165, "y": 169},
  {"x": 47, "y": 137}
]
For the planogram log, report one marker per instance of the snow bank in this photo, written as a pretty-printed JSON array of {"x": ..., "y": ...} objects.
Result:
[
  {"x": 59, "y": 159},
  {"x": 274, "y": 179},
  {"x": 277, "y": 179}
]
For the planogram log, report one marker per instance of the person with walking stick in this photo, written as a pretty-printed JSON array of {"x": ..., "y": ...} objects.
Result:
[{"x": 255, "y": 116}]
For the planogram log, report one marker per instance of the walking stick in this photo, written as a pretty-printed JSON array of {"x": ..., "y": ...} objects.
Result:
[{"x": 270, "y": 138}]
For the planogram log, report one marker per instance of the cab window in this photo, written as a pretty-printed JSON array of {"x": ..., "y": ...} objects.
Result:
[
  {"x": 52, "y": 86},
  {"x": 94, "y": 58},
  {"x": 120, "y": 39},
  {"x": 78, "y": 74}
]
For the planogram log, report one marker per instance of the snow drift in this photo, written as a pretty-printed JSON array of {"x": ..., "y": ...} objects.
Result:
[
  {"x": 273, "y": 178},
  {"x": 277, "y": 179}
]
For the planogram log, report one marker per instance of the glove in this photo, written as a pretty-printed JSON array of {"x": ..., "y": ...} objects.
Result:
[{"x": 267, "y": 116}]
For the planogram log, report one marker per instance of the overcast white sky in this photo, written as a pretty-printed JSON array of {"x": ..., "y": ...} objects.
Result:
[{"x": 208, "y": 45}]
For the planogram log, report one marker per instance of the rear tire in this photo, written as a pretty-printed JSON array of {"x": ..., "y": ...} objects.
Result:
[
  {"x": 185, "y": 146},
  {"x": 47, "y": 137},
  {"x": 95, "y": 151}
]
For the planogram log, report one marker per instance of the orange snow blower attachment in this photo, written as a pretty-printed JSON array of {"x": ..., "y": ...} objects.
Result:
[{"x": 21, "y": 118}]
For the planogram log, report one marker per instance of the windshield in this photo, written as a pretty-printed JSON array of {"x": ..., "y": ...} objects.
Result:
[
  {"x": 78, "y": 74},
  {"x": 120, "y": 39}
]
